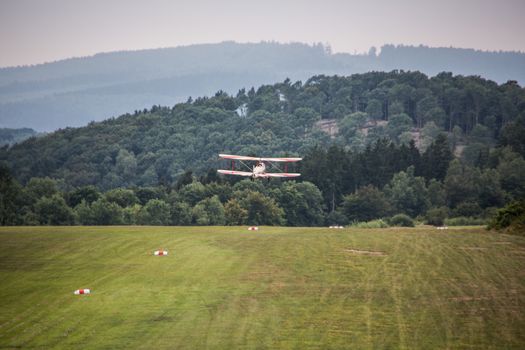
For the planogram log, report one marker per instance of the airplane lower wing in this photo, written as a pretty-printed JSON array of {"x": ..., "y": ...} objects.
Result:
[
  {"x": 233, "y": 172},
  {"x": 278, "y": 175},
  {"x": 288, "y": 160},
  {"x": 263, "y": 175}
]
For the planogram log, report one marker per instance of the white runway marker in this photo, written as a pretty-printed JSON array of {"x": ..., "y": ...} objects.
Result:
[{"x": 82, "y": 291}]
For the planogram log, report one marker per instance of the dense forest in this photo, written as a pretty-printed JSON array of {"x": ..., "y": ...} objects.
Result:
[
  {"x": 401, "y": 146},
  {"x": 75, "y": 91}
]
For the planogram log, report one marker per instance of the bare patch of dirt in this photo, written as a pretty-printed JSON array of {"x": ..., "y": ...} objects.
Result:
[
  {"x": 329, "y": 126},
  {"x": 473, "y": 248},
  {"x": 276, "y": 286},
  {"x": 365, "y": 252},
  {"x": 518, "y": 251},
  {"x": 416, "y": 136},
  {"x": 163, "y": 319},
  {"x": 459, "y": 150},
  {"x": 467, "y": 298},
  {"x": 272, "y": 277}
]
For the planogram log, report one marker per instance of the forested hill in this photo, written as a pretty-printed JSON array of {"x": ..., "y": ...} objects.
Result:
[
  {"x": 158, "y": 145},
  {"x": 75, "y": 91}
]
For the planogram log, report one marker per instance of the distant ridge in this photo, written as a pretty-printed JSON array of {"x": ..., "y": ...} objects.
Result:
[
  {"x": 12, "y": 136},
  {"x": 74, "y": 91}
]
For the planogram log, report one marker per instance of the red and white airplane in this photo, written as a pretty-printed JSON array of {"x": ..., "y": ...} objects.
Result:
[{"x": 259, "y": 169}]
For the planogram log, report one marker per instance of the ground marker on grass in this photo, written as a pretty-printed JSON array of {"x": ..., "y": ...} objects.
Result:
[
  {"x": 253, "y": 228},
  {"x": 442, "y": 227},
  {"x": 335, "y": 226},
  {"x": 160, "y": 252},
  {"x": 82, "y": 291}
]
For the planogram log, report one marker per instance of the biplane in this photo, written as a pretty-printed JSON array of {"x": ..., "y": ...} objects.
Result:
[{"x": 259, "y": 170}]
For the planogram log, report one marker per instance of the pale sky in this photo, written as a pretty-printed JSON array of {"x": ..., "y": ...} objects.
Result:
[{"x": 36, "y": 31}]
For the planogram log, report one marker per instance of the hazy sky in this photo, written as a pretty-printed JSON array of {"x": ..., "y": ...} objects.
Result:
[{"x": 35, "y": 31}]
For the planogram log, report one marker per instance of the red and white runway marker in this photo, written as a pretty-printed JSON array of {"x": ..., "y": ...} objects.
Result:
[
  {"x": 82, "y": 291},
  {"x": 160, "y": 252},
  {"x": 253, "y": 228}
]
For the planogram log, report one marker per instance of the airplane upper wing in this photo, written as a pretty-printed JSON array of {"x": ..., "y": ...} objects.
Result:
[
  {"x": 279, "y": 175},
  {"x": 229, "y": 156},
  {"x": 288, "y": 160},
  {"x": 233, "y": 172}
]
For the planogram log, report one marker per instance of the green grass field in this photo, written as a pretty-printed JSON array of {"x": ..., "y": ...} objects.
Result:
[{"x": 286, "y": 288}]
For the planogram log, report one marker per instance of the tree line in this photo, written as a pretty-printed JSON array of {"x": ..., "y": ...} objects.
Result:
[
  {"x": 190, "y": 202},
  {"x": 385, "y": 180},
  {"x": 338, "y": 186}
]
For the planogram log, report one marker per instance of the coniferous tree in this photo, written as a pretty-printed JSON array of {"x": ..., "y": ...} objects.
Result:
[
  {"x": 436, "y": 159},
  {"x": 366, "y": 204},
  {"x": 9, "y": 193}
]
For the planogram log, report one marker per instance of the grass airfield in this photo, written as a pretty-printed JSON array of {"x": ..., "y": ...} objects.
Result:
[{"x": 285, "y": 288}]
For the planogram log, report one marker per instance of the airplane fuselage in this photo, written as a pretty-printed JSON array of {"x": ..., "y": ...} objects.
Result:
[{"x": 259, "y": 169}]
